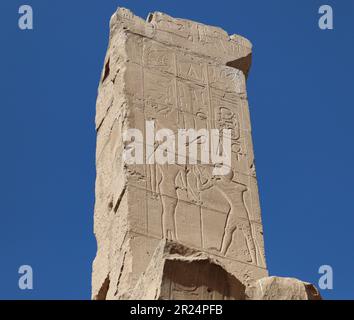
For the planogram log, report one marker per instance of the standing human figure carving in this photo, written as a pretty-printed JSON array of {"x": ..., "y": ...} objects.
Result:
[{"x": 237, "y": 216}]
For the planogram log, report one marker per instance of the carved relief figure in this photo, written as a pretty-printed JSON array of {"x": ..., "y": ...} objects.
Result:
[
  {"x": 169, "y": 199},
  {"x": 188, "y": 210},
  {"x": 237, "y": 217},
  {"x": 233, "y": 192}
]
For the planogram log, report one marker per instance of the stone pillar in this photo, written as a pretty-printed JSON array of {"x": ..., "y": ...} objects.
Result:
[{"x": 168, "y": 73}]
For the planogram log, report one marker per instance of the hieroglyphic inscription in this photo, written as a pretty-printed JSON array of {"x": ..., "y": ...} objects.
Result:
[{"x": 184, "y": 202}]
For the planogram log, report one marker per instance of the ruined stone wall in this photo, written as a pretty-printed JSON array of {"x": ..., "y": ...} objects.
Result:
[{"x": 179, "y": 74}]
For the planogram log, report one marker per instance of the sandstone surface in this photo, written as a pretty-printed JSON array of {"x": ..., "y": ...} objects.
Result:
[{"x": 176, "y": 230}]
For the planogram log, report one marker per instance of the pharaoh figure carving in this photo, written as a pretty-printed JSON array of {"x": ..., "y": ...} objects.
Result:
[{"x": 176, "y": 74}]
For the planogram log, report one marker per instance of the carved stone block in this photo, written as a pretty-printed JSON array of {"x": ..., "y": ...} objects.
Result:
[{"x": 177, "y": 74}]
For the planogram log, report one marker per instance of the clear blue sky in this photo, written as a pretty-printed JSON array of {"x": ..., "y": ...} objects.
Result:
[{"x": 300, "y": 88}]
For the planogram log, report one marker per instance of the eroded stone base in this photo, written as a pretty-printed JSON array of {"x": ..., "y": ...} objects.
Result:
[
  {"x": 278, "y": 288},
  {"x": 177, "y": 272}
]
